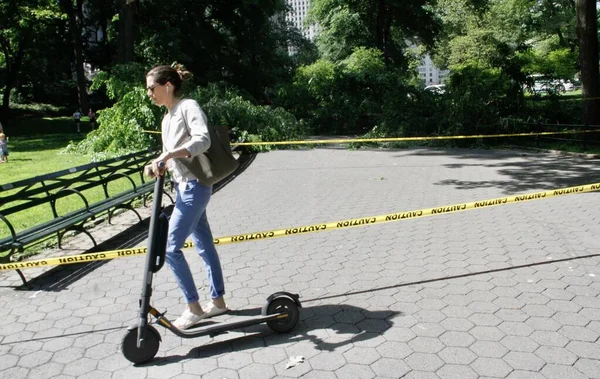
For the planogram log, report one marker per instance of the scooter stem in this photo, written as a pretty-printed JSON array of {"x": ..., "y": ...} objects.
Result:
[{"x": 151, "y": 255}]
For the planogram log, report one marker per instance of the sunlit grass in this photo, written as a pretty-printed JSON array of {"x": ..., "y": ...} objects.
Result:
[{"x": 31, "y": 156}]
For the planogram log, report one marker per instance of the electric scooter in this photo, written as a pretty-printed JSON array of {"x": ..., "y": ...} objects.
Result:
[{"x": 141, "y": 342}]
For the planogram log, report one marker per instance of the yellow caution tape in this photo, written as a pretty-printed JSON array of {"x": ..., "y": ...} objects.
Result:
[
  {"x": 398, "y": 139},
  {"x": 392, "y": 217}
]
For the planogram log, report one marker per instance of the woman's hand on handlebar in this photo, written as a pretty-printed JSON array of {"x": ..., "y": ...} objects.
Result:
[{"x": 158, "y": 166}]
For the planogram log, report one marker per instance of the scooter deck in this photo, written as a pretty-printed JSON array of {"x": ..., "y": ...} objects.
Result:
[{"x": 220, "y": 327}]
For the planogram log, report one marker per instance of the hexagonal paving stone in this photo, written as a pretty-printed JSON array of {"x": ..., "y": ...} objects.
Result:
[
  {"x": 319, "y": 374},
  {"x": 426, "y": 329},
  {"x": 328, "y": 362},
  {"x": 165, "y": 371},
  {"x": 199, "y": 366},
  {"x": 518, "y": 343},
  {"x": 270, "y": 356},
  {"x": 354, "y": 371},
  {"x": 391, "y": 368},
  {"x": 515, "y": 328},
  {"x": 578, "y": 333},
  {"x": 568, "y": 318},
  {"x": 68, "y": 355},
  {"x": 589, "y": 367},
  {"x": 15, "y": 372},
  {"x": 80, "y": 367},
  {"x": 393, "y": 349},
  {"x": 221, "y": 373},
  {"x": 424, "y": 362},
  {"x": 512, "y": 315},
  {"x": 234, "y": 360},
  {"x": 457, "y": 371},
  {"x": 556, "y": 355},
  {"x": 487, "y": 333},
  {"x": 459, "y": 339},
  {"x": 491, "y": 367},
  {"x": 257, "y": 371},
  {"x": 553, "y": 371},
  {"x": 457, "y": 324},
  {"x": 348, "y": 317},
  {"x": 101, "y": 351},
  {"x": 520, "y": 374},
  {"x": 485, "y": 319},
  {"x": 489, "y": 349},
  {"x": 362, "y": 355},
  {"x": 584, "y": 349},
  {"x": 49, "y": 370},
  {"x": 426, "y": 345},
  {"x": 543, "y": 323},
  {"x": 8, "y": 361},
  {"x": 457, "y": 355},
  {"x": 524, "y": 361},
  {"x": 35, "y": 359}
]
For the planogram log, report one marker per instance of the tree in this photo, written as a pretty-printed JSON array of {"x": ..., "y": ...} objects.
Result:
[
  {"x": 238, "y": 43},
  {"x": 587, "y": 34},
  {"x": 126, "y": 37},
  {"x": 383, "y": 24},
  {"x": 21, "y": 21},
  {"x": 75, "y": 17}
]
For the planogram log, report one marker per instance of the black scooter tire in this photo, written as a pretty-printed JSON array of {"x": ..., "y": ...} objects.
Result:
[
  {"x": 280, "y": 305},
  {"x": 146, "y": 353}
]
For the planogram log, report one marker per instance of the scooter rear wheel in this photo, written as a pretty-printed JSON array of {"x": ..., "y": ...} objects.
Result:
[
  {"x": 140, "y": 355},
  {"x": 283, "y": 304}
]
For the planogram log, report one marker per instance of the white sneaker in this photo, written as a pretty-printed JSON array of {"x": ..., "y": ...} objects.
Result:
[
  {"x": 189, "y": 319},
  {"x": 212, "y": 310}
]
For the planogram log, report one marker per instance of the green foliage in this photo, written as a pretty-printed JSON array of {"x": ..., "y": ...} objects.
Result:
[
  {"x": 558, "y": 63},
  {"x": 343, "y": 97},
  {"x": 248, "y": 122},
  {"x": 385, "y": 25},
  {"x": 121, "y": 79},
  {"x": 342, "y": 30},
  {"x": 121, "y": 128},
  {"x": 479, "y": 98}
]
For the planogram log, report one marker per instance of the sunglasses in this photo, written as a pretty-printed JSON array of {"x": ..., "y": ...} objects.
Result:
[{"x": 152, "y": 87}]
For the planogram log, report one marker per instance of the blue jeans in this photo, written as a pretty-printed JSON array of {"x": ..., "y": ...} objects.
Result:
[{"x": 189, "y": 218}]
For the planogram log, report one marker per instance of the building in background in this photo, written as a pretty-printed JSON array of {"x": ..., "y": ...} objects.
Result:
[
  {"x": 297, "y": 16},
  {"x": 429, "y": 73}
]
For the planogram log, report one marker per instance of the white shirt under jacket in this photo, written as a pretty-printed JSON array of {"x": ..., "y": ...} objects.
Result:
[{"x": 195, "y": 137}]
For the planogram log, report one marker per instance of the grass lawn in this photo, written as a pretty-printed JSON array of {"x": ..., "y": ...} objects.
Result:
[
  {"x": 31, "y": 156},
  {"x": 39, "y": 154}
]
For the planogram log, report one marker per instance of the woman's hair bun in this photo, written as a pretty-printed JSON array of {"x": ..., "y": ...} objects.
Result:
[{"x": 183, "y": 73}]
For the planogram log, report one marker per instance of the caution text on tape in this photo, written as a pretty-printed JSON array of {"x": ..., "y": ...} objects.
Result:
[{"x": 355, "y": 222}]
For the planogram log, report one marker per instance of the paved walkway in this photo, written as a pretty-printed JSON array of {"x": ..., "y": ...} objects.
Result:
[{"x": 510, "y": 291}]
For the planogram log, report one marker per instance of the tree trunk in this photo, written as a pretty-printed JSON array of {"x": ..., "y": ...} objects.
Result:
[
  {"x": 76, "y": 25},
  {"x": 587, "y": 33},
  {"x": 380, "y": 27},
  {"x": 13, "y": 68},
  {"x": 127, "y": 10}
]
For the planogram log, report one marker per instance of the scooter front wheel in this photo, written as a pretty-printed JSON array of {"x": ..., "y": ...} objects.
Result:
[
  {"x": 290, "y": 314},
  {"x": 140, "y": 355}
]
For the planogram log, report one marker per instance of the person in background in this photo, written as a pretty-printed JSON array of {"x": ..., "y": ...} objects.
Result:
[
  {"x": 92, "y": 116},
  {"x": 185, "y": 135},
  {"x": 77, "y": 118},
  {"x": 3, "y": 148}
]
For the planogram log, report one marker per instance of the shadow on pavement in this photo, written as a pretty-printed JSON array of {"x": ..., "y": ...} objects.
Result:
[
  {"x": 327, "y": 327},
  {"x": 521, "y": 170}
]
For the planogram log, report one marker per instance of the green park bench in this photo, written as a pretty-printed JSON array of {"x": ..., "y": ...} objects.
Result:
[{"x": 70, "y": 185}]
